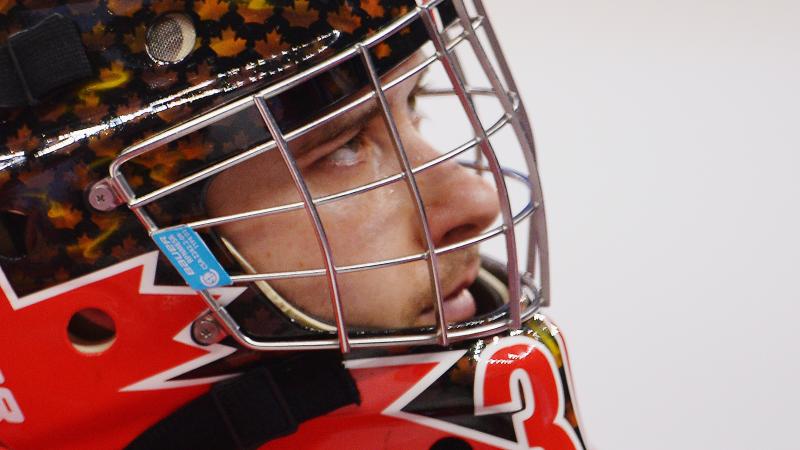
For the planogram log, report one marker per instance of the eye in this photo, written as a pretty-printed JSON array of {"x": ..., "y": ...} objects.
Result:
[
  {"x": 344, "y": 156},
  {"x": 349, "y": 154}
]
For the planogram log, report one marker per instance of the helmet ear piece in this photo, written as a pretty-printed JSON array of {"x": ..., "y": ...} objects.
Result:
[{"x": 171, "y": 38}]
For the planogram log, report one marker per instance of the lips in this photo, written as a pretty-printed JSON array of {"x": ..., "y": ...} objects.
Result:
[{"x": 458, "y": 304}]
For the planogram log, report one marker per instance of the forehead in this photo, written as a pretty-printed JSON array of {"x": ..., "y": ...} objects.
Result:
[{"x": 359, "y": 108}]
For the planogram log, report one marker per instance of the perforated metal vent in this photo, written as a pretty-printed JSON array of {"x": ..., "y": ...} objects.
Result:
[{"x": 171, "y": 38}]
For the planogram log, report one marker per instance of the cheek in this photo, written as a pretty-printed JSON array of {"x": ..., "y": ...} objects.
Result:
[{"x": 371, "y": 226}]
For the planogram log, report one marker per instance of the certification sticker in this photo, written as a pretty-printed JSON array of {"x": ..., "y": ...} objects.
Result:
[{"x": 186, "y": 251}]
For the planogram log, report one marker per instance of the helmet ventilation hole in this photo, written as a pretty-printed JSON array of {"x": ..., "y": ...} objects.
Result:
[
  {"x": 171, "y": 38},
  {"x": 91, "y": 331},
  {"x": 451, "y": 443}
]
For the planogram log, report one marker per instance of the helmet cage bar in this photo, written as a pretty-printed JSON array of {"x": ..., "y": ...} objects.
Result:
[
  {"x": 512, "y": 107},
  {"x": 411, "y": 180},
  {"x": 457, "y": 80},
  {"x": 311, "y": 209},
  {"x": 472, "y": 143},
  {"x": 538, "y": 229},
  {"x": 521, "y": 215}
]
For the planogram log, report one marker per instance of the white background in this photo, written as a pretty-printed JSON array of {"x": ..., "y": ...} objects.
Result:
[{"x": 667, "y": 134}]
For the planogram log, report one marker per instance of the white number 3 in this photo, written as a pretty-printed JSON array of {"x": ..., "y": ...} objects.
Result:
[{"x": 9, "y": 408}]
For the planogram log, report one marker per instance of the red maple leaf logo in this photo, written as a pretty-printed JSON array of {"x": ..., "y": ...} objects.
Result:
[{"x": 102, "y": 400}]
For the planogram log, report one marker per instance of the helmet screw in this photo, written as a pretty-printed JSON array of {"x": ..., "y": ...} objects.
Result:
[
  {"x": 206, "y": 330},
  {"x": 102, "y": 196}
]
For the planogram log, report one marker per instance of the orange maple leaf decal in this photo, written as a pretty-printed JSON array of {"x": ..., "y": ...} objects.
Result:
[
  {"x": 97, "y": 38},
  {"x": 212, "y": 9},
  {"x": 90, "y": 107},
  {"x": 344, "y": 19},
  {"x": 272, "y": 45},
  {"x": 37, "y": 182},
  {"x": 133, "y": 105},
  {"x": 383, "y": 50},
  {"x": 63, "y": 215},
  {"x": 23, "y": 141},
  {"x": 372, "y": 7},
  {"x": 193, "y": 148},
  {"x": 136, "y": 40},
  {"x": 125, "y": 8},
  {"x": 300, "y": 14},
  {"x": 106, "y": 148},
  {"x": 256, "y": 11},
  {"x": 229, "y": 44},
  {"x": 129, "y": 247},
  {"x": 82, "y": 175}
]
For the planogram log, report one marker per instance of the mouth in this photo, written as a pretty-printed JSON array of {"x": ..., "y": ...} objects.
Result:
[{"x": 458, "y": 303}]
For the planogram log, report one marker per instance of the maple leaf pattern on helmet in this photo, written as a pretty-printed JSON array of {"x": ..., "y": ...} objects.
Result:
[
  {"x": 90, "y": 106},
  {"x": 124, "y": 102},
  {"x": 129, "y": 247},
  {"x": 300, "y": 14},
  {"x": 272, "y": 45},
  {"x": 228, "y": 44},
  {"x": 212, "y": 9},
  {"x": 372, "y": 7},
  {"x": 136, "y": 40},
  {"x": 24, "y": 140},
  {"x": 106, "y": 148},
  {"x": 344, "y": 19},
  {"x": 63, "y": 216},
  {"x": 255, "y": 11},
  {"x": 97, "y": 38},
  {"x": 133, "y": 105},
  {"x": 383, "y": 50}
]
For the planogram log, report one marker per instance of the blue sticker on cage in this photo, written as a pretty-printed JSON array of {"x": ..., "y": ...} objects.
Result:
[{"x": 190, "y": 255}]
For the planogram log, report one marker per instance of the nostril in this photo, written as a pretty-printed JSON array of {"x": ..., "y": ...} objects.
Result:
[{"x": 459, "y": 233}]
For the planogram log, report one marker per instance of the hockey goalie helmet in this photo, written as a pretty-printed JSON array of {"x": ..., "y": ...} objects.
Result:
[{"x": 338, "y": 161}]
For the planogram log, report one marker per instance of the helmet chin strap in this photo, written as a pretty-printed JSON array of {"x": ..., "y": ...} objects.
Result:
[{"x": 277, "y": 299}]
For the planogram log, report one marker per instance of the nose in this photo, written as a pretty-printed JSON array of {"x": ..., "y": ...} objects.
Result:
[{"x": 459, "y": 202}]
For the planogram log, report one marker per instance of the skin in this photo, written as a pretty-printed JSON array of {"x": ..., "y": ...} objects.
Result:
[{"x": 379, "y": 224}]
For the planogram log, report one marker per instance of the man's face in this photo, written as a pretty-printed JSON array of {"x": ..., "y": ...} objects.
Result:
[{"x": 379, "y": 224}]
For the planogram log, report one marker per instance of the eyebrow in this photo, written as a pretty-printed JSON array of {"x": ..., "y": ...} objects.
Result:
[
  {"x": 344, "y": 123},
  {"x": 333, "y": 129}
]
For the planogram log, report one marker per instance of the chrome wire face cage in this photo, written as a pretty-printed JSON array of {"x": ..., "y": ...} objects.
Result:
[{"x": 528, "y": 288}]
